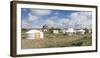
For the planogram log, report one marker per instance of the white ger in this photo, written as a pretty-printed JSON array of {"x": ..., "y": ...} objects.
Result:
[{"x": 35, "y": 34}]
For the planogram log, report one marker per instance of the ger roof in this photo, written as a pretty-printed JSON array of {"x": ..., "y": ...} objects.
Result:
[{"x": 32, "y": 31}]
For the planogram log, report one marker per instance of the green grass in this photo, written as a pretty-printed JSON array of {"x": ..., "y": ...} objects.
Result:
[{"x": 58, "y": 40}]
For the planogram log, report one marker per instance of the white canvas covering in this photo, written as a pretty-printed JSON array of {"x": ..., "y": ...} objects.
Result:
[
  {"x": 81, "y": 30},
  {"x": 71, "y": 30},
  {"x": 56, "y": 31},
  {"x": 31, "y": 34}
]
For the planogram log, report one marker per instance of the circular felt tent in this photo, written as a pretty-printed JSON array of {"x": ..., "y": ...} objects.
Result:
[
  {"x": 35, "y": 34},
  {"x": 70, "y": 31}
]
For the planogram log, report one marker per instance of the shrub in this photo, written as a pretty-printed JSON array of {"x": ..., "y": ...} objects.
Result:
[{"x": 77, "y": 44}]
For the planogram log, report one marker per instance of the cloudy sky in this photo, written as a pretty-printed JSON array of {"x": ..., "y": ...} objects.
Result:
[{"x": 36, "y": 18}]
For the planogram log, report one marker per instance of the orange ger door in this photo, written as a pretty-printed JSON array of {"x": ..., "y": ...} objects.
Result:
[{"x": 37, "y": 35}]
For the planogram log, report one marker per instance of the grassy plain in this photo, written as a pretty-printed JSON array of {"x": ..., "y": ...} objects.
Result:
[{"x": 56, "y": 40}]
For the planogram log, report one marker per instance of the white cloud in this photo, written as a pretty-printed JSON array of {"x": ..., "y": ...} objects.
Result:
[
  {"x": 25, "y": 24},
  {"x": 24, "y": 10},
  {"x": 77, "y": 20},
  {"x": 83, "y": 19},
  {"x": 56, "y": 13},
  {"x": 56, "y": 22},
  {"x": 28, "y": 25},
  {"x": 36, "y": 14},
  {"x": 50, "y": 23},
  {"x": 40, "y": 12},
  {"x": 54, "y": 18},
  {"x": 63, "y": 22},
  {"x": 32, "y": 17}
]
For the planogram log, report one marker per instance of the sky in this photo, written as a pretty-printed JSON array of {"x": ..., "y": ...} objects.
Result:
[{"x": 36, "y": 18}]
